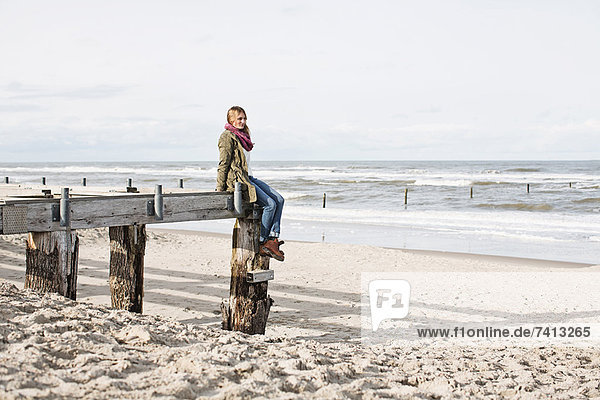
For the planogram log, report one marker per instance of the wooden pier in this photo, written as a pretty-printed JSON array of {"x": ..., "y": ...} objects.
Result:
[{"x": 51, "y": 217}]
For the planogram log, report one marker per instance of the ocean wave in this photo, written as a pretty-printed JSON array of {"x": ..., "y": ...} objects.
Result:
[
  {"x": 588, "y": 200},
  {"x": 310, "y": 196},
  {"x": 345, "y": 181},
  {"x": 442, "y": 182},
  {"x": 524, "y": 221},
  {"x": 326, "y": 175},
  {"x": 523, "y": 170},
  {"x": 515, "y": 235},
  {"x": 490, "y": 183},
  {"x": 377, "y": 167},
  {"x": 421, "y": 177},
  {"x": 396, "y": 182},
  {"x": 108, "y": 170},
  {"x": 296, "y": 195},
  {"x": 517, "y": 206}
]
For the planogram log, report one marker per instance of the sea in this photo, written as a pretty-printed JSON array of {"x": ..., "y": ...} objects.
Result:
[{"x": 534, "y": 209}]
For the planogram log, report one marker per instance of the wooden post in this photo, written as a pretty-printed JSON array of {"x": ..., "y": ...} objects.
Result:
[
  {"x": 406, "y": 196},
  {"x": 127, "y": 248},
  {"x": 471, "y": 191},
  {"x": 43, "y": 180},
  {"x": 528, "y": 188},
  {"x": 83, "y": 181},
  {"x": 248, "y": 307},
  {"x": 324, "y": 199},
  {"x": 51, "y": 262},
  {"x": 180, "y": 183}
]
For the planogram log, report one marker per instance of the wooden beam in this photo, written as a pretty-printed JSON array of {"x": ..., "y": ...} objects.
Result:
[
  {"x": 248, "y": 307},
  {"x": 102, "y": 211},
  {"x": 127, "y": 248},
  {"x": 51, "y": 262}
]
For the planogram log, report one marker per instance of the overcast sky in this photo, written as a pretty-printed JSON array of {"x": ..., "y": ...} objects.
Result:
[{"x": 418, "y": 80}]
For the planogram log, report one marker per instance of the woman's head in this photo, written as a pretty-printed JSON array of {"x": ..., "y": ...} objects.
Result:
[{"x": 236, "y": 116}]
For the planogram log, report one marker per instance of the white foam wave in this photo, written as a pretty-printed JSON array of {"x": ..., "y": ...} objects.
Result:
[
  {"x": 293, "y": 195},
  {"x": 322, "y": 174},
  {"x": 133, "y": 170},
  {"x": 442, "y": 182},
  {"x": 429, "y": 178},
  {"x": 523, "y": 225}
]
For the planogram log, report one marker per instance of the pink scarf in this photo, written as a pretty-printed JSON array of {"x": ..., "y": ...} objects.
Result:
[{"x": 243, "y": 136}]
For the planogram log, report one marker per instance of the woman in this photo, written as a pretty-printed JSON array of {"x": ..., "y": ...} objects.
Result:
[{"x": 234, "y": 166}]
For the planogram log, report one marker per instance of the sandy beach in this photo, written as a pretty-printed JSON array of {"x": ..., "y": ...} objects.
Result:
[{"x": 53, "y": 347}]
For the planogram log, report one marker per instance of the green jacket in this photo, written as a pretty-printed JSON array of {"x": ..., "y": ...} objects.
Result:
[{"x": 233, "y": 166}]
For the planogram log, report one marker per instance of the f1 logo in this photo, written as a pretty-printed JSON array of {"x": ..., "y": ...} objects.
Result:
[{"x": 389, "y": 299}]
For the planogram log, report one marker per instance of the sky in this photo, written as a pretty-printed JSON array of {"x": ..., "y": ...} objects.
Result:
[{"x": 320, "y": 80}]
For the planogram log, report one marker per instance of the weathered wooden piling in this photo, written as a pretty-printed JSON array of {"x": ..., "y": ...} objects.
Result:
[
  {"x": 471, "y": 191},
  {"x": 6, "y": 180},
  {"x": 83, "y": 181},
  {"x": 324, "y": 199},
  {"x": 248, "y": 307},
  {"x": 51, "y": 262},
  {"x": 52, "y": 257},
  {"x": 406, "y": 196},
  {"x": 126, "y": 277},
  {"x": 528, "y": 188},
  {"x": 43, "y": 180},
  {"x": 180, "y": 183}
]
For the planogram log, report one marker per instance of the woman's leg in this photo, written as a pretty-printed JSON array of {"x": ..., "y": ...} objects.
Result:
[{"x": 273, "y": 207}]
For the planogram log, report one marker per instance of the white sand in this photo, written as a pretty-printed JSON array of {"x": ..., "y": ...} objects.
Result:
[{"x": 51, "y": 347}]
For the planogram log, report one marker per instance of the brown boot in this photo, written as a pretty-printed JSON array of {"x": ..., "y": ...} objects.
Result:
[{"x": 271, "y": 249}]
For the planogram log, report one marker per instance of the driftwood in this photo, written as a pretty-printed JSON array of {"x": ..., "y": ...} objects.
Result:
[
  {"x": 248, "y": 307},
  {"x": 127, "y": 249},
  {"x": 51, "y": 262}
]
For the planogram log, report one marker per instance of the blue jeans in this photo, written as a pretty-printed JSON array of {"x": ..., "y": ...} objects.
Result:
[{"x": 272, "y": 204}]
